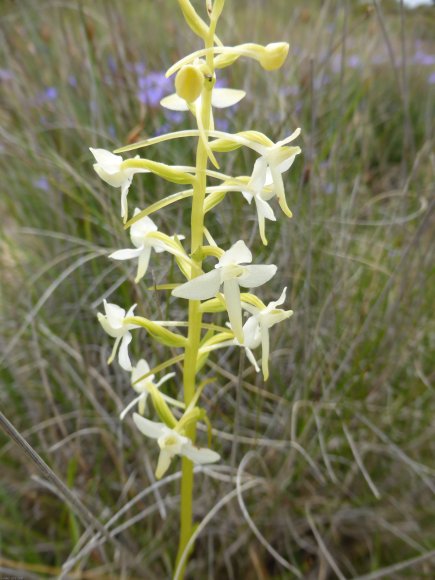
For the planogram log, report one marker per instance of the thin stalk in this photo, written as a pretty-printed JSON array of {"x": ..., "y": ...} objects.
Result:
[{"x": 195, "y": 314}]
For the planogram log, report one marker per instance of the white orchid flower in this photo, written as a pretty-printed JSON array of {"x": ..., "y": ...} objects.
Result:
[
  {"x": 108, "y": 168},
  {"x": 258, "y": 190},
  {"x": 276, "y": 159},
  {"x": 143, "y": 387},
  {"x": 232, "y": 272},
  {"x": 141, "y": 233},
  {"x": 172, "y": 443},
  {"x": 113, "y": 322},
  {"x": 257, "y": 327}
]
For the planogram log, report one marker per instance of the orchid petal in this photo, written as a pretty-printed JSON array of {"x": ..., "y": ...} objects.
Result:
[
  {"x": 234, "y": 307},
  {"x": 222, "y": 98},
  {"x": 251, "y": 332},
  {"x": 239, "y": 253},
  {"x": 290, "y": 138},
  {"x": 141, "y": 228},
  {"x": 163, "y": 463},
  {"x": 264, "y": 210},
  {"x": 259, "y": 174},
  {"x": 115, "y": 179},
  {"x": 200, "y": 455},
  {"x": 280, "y": 300},
  {"x": 164, "y": 379},
  {"x": 127, "y": 254},
  {"x": 141, "y": 399},
  {"x": 174, "y": 103},
  {"x": 123, "y": 357},
  {"x": 149, "y": 428},
  {"x": 248, "y": 196},
  {"x": 255, "y": 276},
  {"x": 200, "y": 288},
  {"x": 124, "y": 192},
  {"x": 251, "y": 359},
  {"x": 108, "y": 161},
  {"x": 286, "y": 164},
  {"x": 265, "y": 347},
  {"x": 130, "y": 312},
  {"x": 107, "y": 327},
  {"x": 114, "y": 312},
  {"x": 114, "y": 349},
  {"x": 142, "y": 266}
]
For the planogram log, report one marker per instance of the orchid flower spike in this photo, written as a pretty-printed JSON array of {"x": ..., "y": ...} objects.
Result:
[
  {"x": 258, "y": 325},
  {"x": 143, "y": 387},
  {"x": 172, "y": 443},
  {"x": 145, "y": 237},
  {"x": 232, "y": 272},
  {"x": 113, "y": 322},
  {"x": 108, "y": 167}
]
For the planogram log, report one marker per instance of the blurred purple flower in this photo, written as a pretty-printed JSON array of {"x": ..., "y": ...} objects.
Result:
[
  {"x": 336, "y": 63},
  {"x": 222, "y": 124},
  {"x": 221, "y": 83},
  {"x": 354, "y": 61},
  {"x": 72, "y": 81},
  {"x": 165, "y": 128},
  {"x": 321, "y": 81},
  {"x": 174, "y": 117},
  {"x": 111, "y": 130},
  {"x": 41, "y": 183},
  {"x": 6, "y": 74},
  {"x": 50, "y": 94},
  {"x": 328, "y": 188},
  {"x": 139, "y": 68},
  {"x": 289, "y": 90},
  {"x": 112, "y": 64},
  {"x": 153, "y": 87},
  {"x": 431, "y": 79},
  {"x": 423, "y": 58}
]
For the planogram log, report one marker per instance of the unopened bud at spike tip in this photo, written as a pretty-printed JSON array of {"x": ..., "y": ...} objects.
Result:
[
  {"x": 274, "y": 55},
  {"x": 189, "y": 82}
]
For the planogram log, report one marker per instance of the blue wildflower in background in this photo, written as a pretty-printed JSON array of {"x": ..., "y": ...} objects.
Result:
[
  {"x": 41, "y": 183},
  {"x": 153, "y": 87},
  {"x": 6, "y": 74}
]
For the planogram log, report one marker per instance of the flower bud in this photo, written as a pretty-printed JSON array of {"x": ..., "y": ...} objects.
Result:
[
  {"x": 274, "y": 55},
  {"x": 189, "y": 82}
]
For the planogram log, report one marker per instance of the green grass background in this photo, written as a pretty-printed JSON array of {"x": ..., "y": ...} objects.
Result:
[{"x": 341, "y": 438}]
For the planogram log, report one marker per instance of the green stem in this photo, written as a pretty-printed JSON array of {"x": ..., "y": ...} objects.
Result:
[{"x": 195, "y": 314}]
